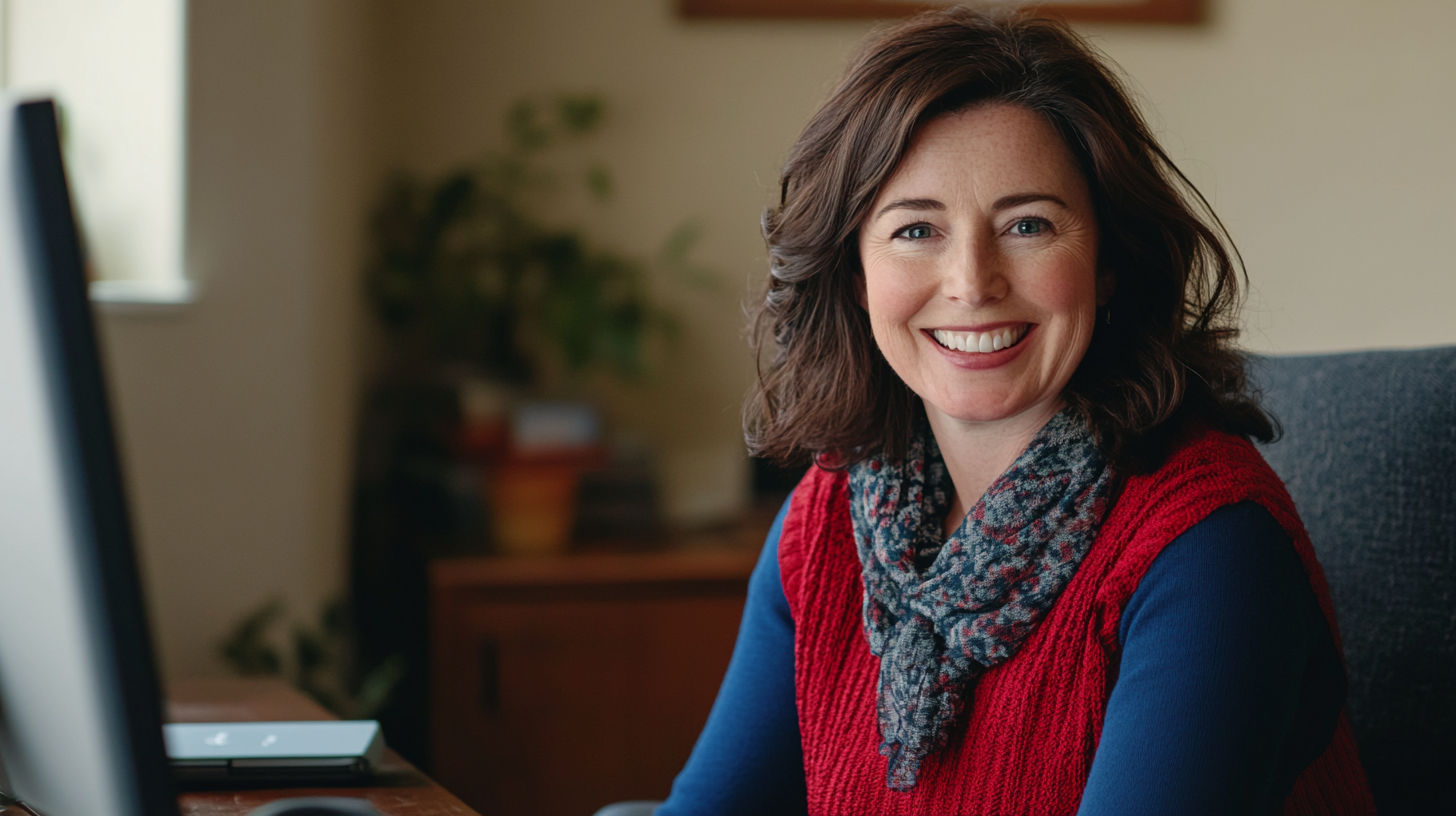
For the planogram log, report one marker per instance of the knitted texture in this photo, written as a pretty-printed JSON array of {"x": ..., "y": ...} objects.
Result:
[
  {"x": 991, "y": 583},
  {"x": 1025, "y": 744}
]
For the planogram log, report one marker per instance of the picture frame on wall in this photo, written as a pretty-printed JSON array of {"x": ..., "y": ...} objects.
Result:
[{"x": 1167, "y": 12}]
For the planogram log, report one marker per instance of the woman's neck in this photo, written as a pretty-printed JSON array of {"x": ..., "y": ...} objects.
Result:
[{"x": 977, "y": 453}]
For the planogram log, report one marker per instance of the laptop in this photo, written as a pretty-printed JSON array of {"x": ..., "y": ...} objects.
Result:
[{"x": 283, "y": 752}]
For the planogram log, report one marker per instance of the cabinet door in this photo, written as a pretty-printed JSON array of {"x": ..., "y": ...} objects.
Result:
[{"x": 562, "y": 706}]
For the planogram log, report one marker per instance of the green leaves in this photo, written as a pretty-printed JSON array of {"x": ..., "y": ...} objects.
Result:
[
  {"x": 322, "y": 660},
  {"x": 599, "y": 182},
  {"x": 533, "y": 124},
  {"x": 465, "y": 271},
  {"x": 675, "y": 256},
  {"x": 247, "y": 648},
  {"x": 579, "y": 113}
]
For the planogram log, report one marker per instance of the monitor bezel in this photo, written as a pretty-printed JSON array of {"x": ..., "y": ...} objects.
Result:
[{"x": 104, "y": 549}]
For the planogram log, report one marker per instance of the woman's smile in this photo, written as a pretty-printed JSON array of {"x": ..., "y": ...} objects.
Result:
[
  {"x": 981, "y": 341},
  {"x": 983, "y": 348}
]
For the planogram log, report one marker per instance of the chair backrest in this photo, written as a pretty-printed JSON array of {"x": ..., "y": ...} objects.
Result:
[{"x": 1369, "y": 455}]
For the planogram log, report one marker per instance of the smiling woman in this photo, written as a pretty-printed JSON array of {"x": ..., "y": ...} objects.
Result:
[{"x": 1038, "y": 566}]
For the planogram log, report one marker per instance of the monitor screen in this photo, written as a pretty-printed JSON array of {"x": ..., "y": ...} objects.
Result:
[{"x": 80, "y": 709}]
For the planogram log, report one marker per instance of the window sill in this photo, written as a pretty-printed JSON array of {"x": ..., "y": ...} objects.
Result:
[{"x": 143, "y": 297}]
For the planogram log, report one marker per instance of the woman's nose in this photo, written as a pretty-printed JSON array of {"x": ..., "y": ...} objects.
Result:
[{"x": 975, "y": 275}]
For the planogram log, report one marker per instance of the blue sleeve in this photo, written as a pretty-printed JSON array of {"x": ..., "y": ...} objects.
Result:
[
  {"x": 1228, "y": 684},
  {"x": 748, "y": 759}
]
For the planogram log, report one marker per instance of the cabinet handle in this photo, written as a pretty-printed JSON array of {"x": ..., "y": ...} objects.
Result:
[{"x": 489, "y": 677}]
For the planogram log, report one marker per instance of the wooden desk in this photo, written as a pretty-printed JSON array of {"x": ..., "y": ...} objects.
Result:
[{"x": 399, "y": 789}]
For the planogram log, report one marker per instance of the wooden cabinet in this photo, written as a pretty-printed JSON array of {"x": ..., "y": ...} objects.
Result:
[{"x": 562, "y": 684}]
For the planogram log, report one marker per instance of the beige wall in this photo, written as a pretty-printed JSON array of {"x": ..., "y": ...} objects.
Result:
[
  {"x": 236, "y": 412},
  {"x": 1319, "y": 128}
]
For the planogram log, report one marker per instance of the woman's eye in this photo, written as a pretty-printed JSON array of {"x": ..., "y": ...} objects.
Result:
[
  {"x": 1029, "y": 226},
  {"x": 917, "y": 232}
]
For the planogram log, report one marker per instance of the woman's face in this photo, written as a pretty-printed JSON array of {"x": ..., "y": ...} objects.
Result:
[{"x": 980, "y": 266}]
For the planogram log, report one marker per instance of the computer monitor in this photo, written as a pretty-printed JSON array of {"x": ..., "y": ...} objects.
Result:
[{"x": 80, "y": 708}]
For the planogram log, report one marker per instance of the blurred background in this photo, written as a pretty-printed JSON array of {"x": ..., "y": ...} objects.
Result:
[{"x": 232, "y": 161}]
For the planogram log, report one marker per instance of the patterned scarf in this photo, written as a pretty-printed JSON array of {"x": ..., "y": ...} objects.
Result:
[{"x": 988, "y": 585}]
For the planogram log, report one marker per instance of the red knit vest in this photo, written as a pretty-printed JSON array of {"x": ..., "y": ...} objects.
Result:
[{"x": 1026, "y": 742}]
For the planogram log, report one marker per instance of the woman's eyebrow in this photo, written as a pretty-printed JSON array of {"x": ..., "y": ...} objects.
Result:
[
  {"x": 1002, "y": 203},
  {"x": 1016, "y": 200},
  {"x": 911, "y": 204}
]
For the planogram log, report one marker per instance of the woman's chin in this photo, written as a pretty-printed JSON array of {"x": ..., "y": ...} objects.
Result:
[
  {"x": 982, "y": 411},
  {"x": 977, "y": 413}
]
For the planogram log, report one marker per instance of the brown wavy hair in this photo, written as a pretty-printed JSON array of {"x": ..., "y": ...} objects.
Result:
[{"x": 1162, "y": 352}]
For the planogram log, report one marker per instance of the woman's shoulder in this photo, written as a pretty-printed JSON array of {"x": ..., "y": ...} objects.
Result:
[
  {"x": 821, "y": 494},
  {"x": 1205, "y": 469},
  {"x": 1202, "y": 448},
  {"x": 817, "y": 518},
  {"x": 819, "y": 485}
]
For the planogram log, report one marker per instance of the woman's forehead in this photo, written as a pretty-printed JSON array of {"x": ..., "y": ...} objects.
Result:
[{"x": 991, "y": 147}]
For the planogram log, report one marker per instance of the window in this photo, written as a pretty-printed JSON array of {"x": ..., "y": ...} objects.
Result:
[{"x": 117, "y": 72}]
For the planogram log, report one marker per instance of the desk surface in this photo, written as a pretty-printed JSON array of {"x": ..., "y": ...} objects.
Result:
[{"x": 398, "y": 789}]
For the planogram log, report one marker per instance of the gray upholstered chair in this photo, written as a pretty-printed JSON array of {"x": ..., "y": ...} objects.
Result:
[{"x": 1369, "y": 455}]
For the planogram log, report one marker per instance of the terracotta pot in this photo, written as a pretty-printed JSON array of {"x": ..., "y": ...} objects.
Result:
[
  {"x": 533, "y": 507},
  {"x": 533, "y": 500}
]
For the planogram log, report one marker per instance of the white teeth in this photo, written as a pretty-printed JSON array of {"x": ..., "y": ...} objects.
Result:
[{"x": 980, "y": 342}]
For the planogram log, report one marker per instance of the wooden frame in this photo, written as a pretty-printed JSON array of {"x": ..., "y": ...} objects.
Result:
[{"x": 1177, "y": 12}]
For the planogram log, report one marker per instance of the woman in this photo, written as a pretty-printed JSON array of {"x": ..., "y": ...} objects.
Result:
[{"x": 1038, "y": 567}]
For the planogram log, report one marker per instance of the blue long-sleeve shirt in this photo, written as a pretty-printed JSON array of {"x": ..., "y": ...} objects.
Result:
[{"x": 1228, "y": 685}]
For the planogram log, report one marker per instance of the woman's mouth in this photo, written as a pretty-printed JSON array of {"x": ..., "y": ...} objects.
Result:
[{"x": 981, "y": 342}]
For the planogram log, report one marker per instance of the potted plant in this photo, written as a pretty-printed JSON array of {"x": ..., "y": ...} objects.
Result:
[{"x": 473, "y": 286}]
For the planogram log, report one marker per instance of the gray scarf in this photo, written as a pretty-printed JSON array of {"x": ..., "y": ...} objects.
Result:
[{"x": 987, "y": 586}]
